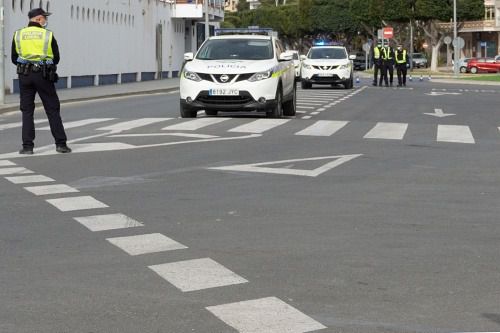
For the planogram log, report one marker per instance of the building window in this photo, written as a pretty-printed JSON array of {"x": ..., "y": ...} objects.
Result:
[
  {"x": 48, "y": 6},
  {"x": 77, "y": 12},
  {"x": 22, "y": 5},
  {"x": 31, "y": 4},
  {"x": 72, "y": 10},
  {"x": 489, "y": 13},
  {"x": 41, "y": 4},
  {"x": 13, "y": 5}
]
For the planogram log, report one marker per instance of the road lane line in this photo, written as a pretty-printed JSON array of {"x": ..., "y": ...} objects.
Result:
[
  {"x": 76, "y": 203},
  {"x": 323, "y": 128},
  {"x": 387, "y": 131},
  {"x": 268, "y": 314},
  {"x": 29, "y": 179},
  {"x": 260, "y": 125},
  {"x": 107, "y": 222},
  {"x": 144, "y": 244},
  {"x": 132, "y": 124},
  {"x": 51, "y": 189},
  {"x": 4, "y": 163},
  {"x": 195, "y": 124},
  {"x": 80, "y": 123},
  {"x": 197, "y": 274},
  {"x": 12, "y": 171},
  {"x": 454, "y": 133},
  {"x": 19, "y": 124}
]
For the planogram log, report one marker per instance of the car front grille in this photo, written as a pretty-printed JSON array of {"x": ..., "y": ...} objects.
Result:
[
  {"x": 230, "y": 77},
  {"x": 318, "y": 78},
  {"x": 325, "y": 68}
]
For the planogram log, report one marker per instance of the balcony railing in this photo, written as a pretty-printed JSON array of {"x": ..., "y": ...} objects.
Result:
[
  {"x": 474, "y": 26},
  {"x": 195, "y": 8}
]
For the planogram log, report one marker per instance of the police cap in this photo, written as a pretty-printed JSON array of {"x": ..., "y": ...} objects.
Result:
[{"x": 37, "y": 12}]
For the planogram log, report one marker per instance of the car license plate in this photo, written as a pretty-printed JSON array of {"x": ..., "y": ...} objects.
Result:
[
  {"x": 324, "y": 74},
  {"x": 223, "y": 92}
]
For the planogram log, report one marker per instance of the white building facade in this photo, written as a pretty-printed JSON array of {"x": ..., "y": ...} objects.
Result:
[{"x": 115, "y": 41}]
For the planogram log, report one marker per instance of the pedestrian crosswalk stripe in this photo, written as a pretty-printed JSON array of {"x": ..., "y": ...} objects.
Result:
[
  {"x": 197, "y": 274},
  {"x": 268, "y": 314},
  {"x": 4, "y": 163},
  {"x": 323, "y": 128},
  {"x": 304, "y": 107},
  {"x": 143, "y": 244},
  {"x": 259, "y": 126},
  {"x": 454, "y": 133},
  {"x": 29, "y": 179},
  {"x": 76, "y": 203},
  {"x": 388, "y": 131},
  {"x": 107, "y": 222},
  {"x": 307, "y": 103},
  {"x": 195, "y": 124},
  {"x": 131, "y": 124},
  {"x": 80, "y": 123},
  {"x": 51, "y": 189},
  {"x": 19, "y": 124},
  {"x": 14, "y": 170}
]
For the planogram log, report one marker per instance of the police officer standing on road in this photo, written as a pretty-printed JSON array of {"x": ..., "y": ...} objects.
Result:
[
  {"x": 401, "y": 57},
  {"x": 388, "y": 65},
  {"x": 35, "y": 53},
  {"x": 377, "y": 62}
]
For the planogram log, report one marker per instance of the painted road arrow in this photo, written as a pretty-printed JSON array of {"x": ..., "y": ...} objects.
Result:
[
  {"x": 262, "y": 167},
  {"x": 439, "y": 113}
]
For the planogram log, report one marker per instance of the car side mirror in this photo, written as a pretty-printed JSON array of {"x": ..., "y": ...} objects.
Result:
[
  {"x": 188, "y": 56},
  {"x": 352, "y": 57},
  {"x": 303, "y": 57},
  {"x": 286, "y": 56}
]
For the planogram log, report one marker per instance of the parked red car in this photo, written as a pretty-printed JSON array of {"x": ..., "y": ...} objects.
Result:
[{"x": 488, "y": 65}]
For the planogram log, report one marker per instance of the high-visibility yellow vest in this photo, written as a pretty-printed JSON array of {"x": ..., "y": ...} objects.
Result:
[
  {"x": 386, "y": 53},
  {"x": 403, "y": 58},
  {"x": 34, "y": 44},
  {"x": 376, "y": 52}
]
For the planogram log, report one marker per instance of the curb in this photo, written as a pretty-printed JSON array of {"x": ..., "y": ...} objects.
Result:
[
  {"x": 471, "y": 82},
  {"x": 83, "y": 99}
]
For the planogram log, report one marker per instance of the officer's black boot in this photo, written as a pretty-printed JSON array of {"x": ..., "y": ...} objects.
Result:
[
  {"x": 26, "y": 151},
  {"x": 63, "y": 149}
]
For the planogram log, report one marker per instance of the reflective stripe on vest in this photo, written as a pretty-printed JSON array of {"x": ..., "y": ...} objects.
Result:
[
  {"x": 386, "y": 53},
  {"x": 403, "y": 60},
  {"x": 34, "y": 44},
  {"x": 376, "y": 53}
]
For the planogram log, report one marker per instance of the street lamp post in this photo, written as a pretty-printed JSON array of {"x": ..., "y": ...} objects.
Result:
[
  {"x": 455, "y": 38},
  {"x": 207, "y": 27},
  {"x": 2, "y": 74}
]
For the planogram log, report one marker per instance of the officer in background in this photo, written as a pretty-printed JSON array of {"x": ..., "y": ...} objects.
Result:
[
  {"x": 35, "y": 53},
  {"x": 377, "y": 62},
  {"x": 401, "y": 57},
  {"x": 388, "y": 65}
]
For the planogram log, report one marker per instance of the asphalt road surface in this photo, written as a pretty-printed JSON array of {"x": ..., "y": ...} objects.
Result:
[{"x": 374, "y": 210}]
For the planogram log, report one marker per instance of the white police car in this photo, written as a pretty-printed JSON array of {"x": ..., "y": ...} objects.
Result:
[
  {"x": 327, "y": 65},
  {"x": 238, "y": 72}
]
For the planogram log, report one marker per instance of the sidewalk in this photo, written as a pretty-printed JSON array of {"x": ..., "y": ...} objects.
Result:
[{"x": 105, "y": 91}]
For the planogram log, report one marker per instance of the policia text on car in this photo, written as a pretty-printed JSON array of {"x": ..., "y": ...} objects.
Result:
[{"x": 35, "y": 53}]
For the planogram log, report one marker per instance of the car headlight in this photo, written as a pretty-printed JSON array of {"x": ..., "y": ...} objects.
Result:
[
  {"x": 192, "y": 76},
  {"x": 306, "y": 66},
  {"x": 261, "y": 76},
  {"x": 345, "y": 66}
]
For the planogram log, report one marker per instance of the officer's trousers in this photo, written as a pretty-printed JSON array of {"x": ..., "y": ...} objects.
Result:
[
  {"x": 388, "y": 73},
  {"x": 29, "y": 85},
  {"x": 401, "y": 71},
  {"x": 377, "y": 67}
]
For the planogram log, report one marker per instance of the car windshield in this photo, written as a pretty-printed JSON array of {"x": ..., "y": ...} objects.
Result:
[
  {"x": 327, "y": 53},
  {"x": 242, "y": 49},
  {"x": 418, "y": 55}
]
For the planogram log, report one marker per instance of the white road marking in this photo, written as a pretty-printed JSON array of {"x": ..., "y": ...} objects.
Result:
[
  {"x": 299, "y": 103},
  {"x": 108, "y": 222},
  {"x": 260, "y": 167},
  {"x": 439, "y": 113},
  {"x": 51, "y": 189},
  {"x": 314, "y": 113},
  {"x": 4, "y": 163},
  {"x": 16, "y": 170},
  {"x": 388, "y": 131},
  {"x": 197, "y": 274},
  {"x": 131, "y": 124},
  {"x": 115, "y": 146},
  {"x": 19, "y": 124},
  {"x": 143, "y": 244},
  {"x": 76, "y": 203},
  {"x": 187, "y": 135},
  {"x": 454, "y": 133},
  {"x": 259, "y": 126},
  {"x": 195, "y": 124},
  {"x": 307, "y": 117},
  {"x": 29, "y": 179},
  {"x": 323, "y": 128},
  {"x": 268, "y": 314},
  {"x": 80, "y": 123},
  {"x": 305, "y": 107}
]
